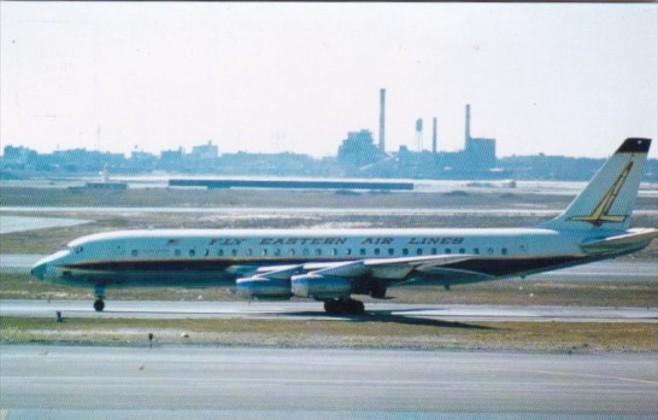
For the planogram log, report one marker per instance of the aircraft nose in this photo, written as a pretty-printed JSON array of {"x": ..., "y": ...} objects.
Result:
[
  {"x": 39, "y": 270},
  {"x": 47, "y": 267}
]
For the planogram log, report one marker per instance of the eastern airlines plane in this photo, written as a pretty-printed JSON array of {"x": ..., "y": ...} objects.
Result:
[{"x": 332, "y": 265}]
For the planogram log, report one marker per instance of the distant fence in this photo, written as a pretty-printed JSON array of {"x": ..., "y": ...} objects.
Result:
[{"x": 292, "y": 184}]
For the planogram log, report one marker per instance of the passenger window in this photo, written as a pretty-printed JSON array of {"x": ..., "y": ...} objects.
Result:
[
  {"x": 377, "y": 251},
  {"x": 434, "y": 252},
  {"x": 318, "y": 251},
  {"x": 264, "y": 252},
  {"x": 133, "y": 252},
  {"x": 391, "y": 251},
  {"x": 476, "y": 250},
  {"x": 362, "y": 251},
  {"x": 234, "y": 252},
  {"x": 291, "y": 251},
  {"x": 305, "y": 251},
  {"x": 503, "y": 251},
  {"x": 349, "y": 251},
  {"x": 405, "y": 251},
  {"x": 207, "y": 252},
  {"x": 334, "y": 251},
  {"x": 462, "y": 251},
  {"x": 277, "y": 251},
  {"x": 192, "y": 252},
  {"x": 448, "y": 251},
  {"x": 490, "y": 251},
  {"x": 419, "y": 251},
  {"x": 249, "y": 251},
  {"x": 220, "y": 252}
]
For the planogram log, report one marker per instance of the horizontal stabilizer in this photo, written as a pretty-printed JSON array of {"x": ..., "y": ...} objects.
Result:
[{"x": 630, "y": 239}]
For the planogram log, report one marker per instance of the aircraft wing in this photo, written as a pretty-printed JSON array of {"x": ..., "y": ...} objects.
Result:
[
  {"x": 335, "y": 278},
  {"x": 383, "y": 268}
]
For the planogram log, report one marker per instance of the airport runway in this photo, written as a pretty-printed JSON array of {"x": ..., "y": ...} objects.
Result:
[
  {"x": 64, "y": 382},
  {"x": 305, "y": 310}
]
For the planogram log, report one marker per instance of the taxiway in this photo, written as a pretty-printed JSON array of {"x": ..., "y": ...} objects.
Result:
[
  {"x": 305, "y": 310},
  {"x": 74, "y": 382}
]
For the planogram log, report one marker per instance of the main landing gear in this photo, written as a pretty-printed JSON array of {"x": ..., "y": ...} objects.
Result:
[
  {"x": 99, "y": 304},
  {"x": 344, "y": 306}
]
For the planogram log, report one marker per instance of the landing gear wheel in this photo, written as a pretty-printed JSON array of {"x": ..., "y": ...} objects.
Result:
[
  {"x": 355, "y": 307},
  {"x": 344, "y": 306},
  {"x": 99, "y": 305},
  {"x": 332, "y": 306}
]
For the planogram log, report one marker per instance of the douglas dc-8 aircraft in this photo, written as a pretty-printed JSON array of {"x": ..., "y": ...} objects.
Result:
[{"x": 332, "y": 265}]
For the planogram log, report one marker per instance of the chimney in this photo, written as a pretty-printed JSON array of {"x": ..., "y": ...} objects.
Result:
[
  {"x": 434, "y": 135},
  {"x": 467, "y": 134},
  {"x": 382, "y": 116},
  {"x": 419, "y": 134}
]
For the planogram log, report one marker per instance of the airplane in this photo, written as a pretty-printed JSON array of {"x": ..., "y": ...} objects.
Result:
[{"x": 332, "y": 265}]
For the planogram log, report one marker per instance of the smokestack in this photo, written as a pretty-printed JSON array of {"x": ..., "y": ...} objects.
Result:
[
  {"x": 467, "y": 134},
  {"x": 382, "y": 117},
  {"x": 434, "y": 135},
  {"x": 419, "y": 134}
]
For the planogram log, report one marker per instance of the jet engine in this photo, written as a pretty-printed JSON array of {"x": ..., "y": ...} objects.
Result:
[
  {"x": 320, "y": 287},
  {"x": 263, "y": 288}
]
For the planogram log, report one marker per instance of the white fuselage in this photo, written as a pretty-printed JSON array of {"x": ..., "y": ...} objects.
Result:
[{"x": 205, "y": 257}]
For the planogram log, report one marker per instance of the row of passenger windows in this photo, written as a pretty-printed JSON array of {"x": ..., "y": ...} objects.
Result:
[{"x": 335, "y": 252}]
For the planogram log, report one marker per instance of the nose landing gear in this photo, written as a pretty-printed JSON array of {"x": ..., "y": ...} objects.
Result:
[{"x": 99, "y": 303}]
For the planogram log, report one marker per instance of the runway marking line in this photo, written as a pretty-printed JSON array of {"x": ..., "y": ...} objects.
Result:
[{"x": 592, "y": 375}]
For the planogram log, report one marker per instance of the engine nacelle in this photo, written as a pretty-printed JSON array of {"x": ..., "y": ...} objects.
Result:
[
  {"x": 263, "y": 288},
  {"x": 320, "y": 287}
]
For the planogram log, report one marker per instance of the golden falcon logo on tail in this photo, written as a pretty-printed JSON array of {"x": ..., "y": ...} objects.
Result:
[{"x": 600, "y": 214}]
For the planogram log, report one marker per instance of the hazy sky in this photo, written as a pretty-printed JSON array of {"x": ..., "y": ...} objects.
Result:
[{"x": 570, "y": 79}]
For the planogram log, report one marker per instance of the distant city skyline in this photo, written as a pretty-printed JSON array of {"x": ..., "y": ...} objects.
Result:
[{"x": 569, "y": 79}]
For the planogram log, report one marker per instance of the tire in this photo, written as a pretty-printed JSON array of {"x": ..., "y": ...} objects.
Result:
[
  {"x": 355, "y": 307},
  {"x": 332, "y": 306},
  {"x": 99, "y": 305}
]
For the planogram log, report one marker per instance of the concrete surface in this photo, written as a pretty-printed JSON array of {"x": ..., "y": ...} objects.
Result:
[
  {"x": 64, "y": 382},
  {"x": 314, "y": 311}
]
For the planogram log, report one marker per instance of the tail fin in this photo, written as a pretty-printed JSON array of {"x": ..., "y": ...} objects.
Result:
[{"x": 609, "y": 198}]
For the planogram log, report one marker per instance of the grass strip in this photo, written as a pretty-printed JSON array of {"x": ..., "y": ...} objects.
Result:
[{"x": 387, "y": 332}]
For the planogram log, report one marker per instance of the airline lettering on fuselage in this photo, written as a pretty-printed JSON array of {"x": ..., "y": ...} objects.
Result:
[
  {"x": 227, "y": 241},
  {"x": 303, "y": 241},
  {"x": 377, "y": 241},
  {"x": 449, "y": 240}
]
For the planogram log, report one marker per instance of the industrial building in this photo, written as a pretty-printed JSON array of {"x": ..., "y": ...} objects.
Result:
[
  {"x": 359, "y": 155},
  {"x": 358, "y": 149},
  {"x": 207, "y": 151}
]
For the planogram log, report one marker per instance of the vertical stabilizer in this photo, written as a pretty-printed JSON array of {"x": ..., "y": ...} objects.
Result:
[{"x": 608, "y": 200}]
